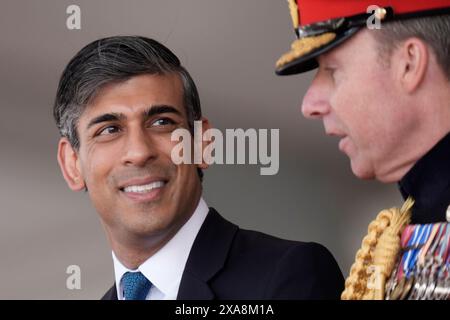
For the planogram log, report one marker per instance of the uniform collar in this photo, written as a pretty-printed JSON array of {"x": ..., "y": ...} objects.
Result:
[{"x": 428, "y": 182}]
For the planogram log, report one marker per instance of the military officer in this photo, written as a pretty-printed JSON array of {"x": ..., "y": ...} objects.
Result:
[{"x": 383, "y": 87}]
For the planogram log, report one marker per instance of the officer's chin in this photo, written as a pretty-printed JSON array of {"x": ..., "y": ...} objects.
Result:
[{"x": 361, "y": 170}]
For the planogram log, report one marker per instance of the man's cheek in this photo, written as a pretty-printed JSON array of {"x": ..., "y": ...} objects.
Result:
[{"x": 96, "y": 177}]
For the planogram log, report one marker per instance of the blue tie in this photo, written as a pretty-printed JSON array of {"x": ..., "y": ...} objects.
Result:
[{"x": 135, "y": 286}]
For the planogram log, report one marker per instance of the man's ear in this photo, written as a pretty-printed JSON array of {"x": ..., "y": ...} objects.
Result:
[
  {"x": 413, "y": 63},
  {"x": 70, "y": 165},
  {"x": 205, "y": 126}
]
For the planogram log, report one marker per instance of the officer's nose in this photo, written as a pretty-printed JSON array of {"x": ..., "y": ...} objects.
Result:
[
  {"x": 315, "y": 103},
  {"x": 139, "y": 148}
]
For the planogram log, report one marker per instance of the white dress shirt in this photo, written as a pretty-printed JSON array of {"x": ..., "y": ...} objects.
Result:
[{"x": 165, "y": 268}]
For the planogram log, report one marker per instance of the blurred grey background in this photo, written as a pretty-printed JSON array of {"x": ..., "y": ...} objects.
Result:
[{"x": 230, "y": 48}]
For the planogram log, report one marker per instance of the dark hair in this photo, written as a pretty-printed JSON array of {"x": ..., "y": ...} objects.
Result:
[
  {"x": 113, "y": 60},
  {"x": 434, "y": 30}
]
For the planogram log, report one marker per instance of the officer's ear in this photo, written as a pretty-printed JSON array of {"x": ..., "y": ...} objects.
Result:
[
  {"x": 412, "y": 63},
  {"x": 69, "y": 163}
]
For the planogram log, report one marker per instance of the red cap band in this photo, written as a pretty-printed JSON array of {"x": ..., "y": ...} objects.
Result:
[{"x": 312, "y": 11}]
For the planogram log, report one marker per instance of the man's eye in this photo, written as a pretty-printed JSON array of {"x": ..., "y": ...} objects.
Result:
[
  {"x": 163, "y": 122},
  {"x": 109, "y": 130}
]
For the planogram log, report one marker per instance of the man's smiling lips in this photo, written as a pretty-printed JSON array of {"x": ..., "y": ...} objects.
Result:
[{"x": 143, "y": 189}]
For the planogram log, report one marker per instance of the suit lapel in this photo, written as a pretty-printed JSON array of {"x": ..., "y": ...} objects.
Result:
[
  {"x": 111, "y": 294},
  {"x": 207, "y": 257}
]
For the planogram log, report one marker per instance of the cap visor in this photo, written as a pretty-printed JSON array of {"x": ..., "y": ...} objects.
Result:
[{"x": 308, "y": 61}]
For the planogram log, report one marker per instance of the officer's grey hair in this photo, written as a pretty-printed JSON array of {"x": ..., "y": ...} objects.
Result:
[
  {"x": 434, "y": 30},
  {"x": 114, "y": 60}
]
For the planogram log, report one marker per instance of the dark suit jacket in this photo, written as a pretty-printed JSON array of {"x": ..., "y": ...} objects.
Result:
[{"x": 227, "y": 262}]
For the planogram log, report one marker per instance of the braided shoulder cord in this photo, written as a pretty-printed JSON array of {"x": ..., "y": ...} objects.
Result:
[{"x": 379, "y": 249}]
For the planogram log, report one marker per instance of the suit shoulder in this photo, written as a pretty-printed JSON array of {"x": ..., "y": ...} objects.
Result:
[
  {"x": 282, "y": 269},
  {"x": 309, "y": 266},
  {"x": 254, "y": 240},
  {"x": 269, "y": 252},
  {"x": 260, "y": 266}
]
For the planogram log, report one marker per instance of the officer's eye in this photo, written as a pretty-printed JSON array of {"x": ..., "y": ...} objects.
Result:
[{"x": 330, "y": 70}]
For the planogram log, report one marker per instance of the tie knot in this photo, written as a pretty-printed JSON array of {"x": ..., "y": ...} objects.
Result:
[{"x": 135, "y": 286}]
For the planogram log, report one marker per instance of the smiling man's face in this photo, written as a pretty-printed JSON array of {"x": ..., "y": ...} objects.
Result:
[{"x": 124, "y": 159}]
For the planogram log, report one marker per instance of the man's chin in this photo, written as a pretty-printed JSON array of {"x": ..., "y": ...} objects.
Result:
[
  {"x": 361, "y": 171},
  {"x": 145, "y": 229}
]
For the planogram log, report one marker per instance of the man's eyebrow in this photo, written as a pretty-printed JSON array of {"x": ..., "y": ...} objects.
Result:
[
  {"x": 158, "y": 109},
  {"x": 107, "y": 117},
  {"x": 150, "y": 112}
]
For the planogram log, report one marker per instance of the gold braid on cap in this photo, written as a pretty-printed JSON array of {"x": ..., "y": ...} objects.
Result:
[
  {"x": 293, "y": 8},
  {"x": 303, "y": 46},
  {"x": 375, "y": 261}
]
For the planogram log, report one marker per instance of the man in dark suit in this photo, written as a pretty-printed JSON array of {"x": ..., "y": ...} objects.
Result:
[
  {"x": 118, "y": 102},
  {"x": 230, "y": 263}
]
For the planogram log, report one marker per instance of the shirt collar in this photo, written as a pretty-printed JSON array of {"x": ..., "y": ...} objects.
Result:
[
  {"x": 428, "y": 184},
  {"x": 165, "y": 268}
]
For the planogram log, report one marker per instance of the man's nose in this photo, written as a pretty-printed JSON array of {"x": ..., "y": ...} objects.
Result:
[
  {"x": 315, "y": 103},
  {"x": 139, "y": 148}
]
